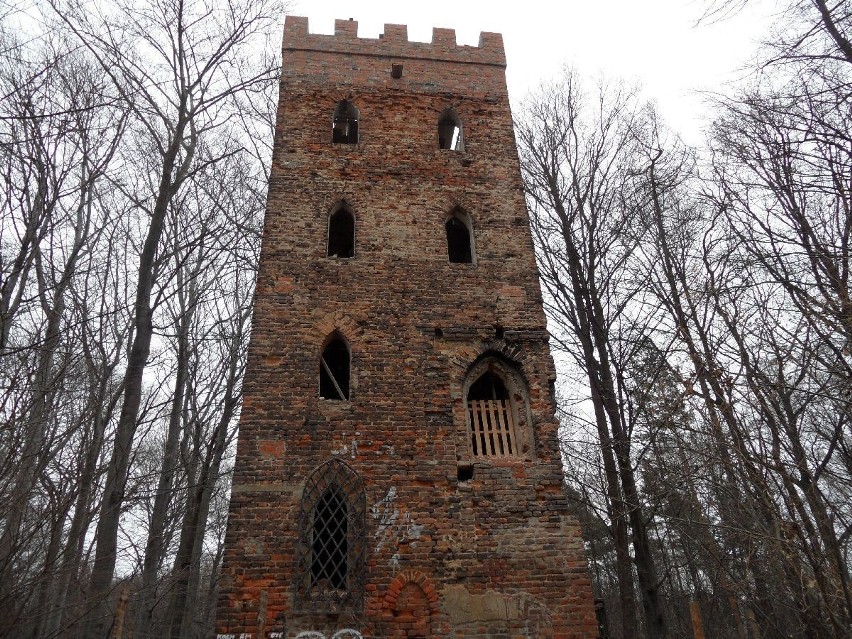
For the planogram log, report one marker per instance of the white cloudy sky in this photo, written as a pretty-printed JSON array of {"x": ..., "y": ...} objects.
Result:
[{"x": 655, "y": 42}]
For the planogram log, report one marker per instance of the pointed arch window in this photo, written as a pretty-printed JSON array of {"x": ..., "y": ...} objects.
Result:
[
  {"x": 344, "y": 126},
  {"x": 332, "y": 540},
  {"x": 334, "y": 369},
  {"x": 450, "y": 131},
  {"x": 497, "y": 410},
  {"x": 341, "y": 233},
  {"x": 459, "y": 238}
]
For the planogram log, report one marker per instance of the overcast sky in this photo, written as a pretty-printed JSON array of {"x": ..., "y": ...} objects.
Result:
[{"x": 655, "y": 42}]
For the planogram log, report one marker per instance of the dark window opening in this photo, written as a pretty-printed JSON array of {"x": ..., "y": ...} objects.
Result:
[
  {"x": 341, "y": 234},
  {"x": 449, "y": 131},
  {"x": 334, "y": 371},
  {"x": 465, "y": 473},
  {"x": 344, "y": 128},
  {"x": 488, "y": 387},
  {"x": 458, "y": 241},
  {"x": 330, "y": 546}
]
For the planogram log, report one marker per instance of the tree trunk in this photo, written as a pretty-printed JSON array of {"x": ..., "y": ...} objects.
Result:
[
  {"x": 620, "y": 508},
  {"x": 201, "y": 491},
  {"x": 107, "y": 530},
  {"x": 154, "y": 548}
]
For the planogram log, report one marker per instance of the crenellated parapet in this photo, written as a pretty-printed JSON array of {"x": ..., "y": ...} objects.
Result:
[{"x": 393, "y": 43}]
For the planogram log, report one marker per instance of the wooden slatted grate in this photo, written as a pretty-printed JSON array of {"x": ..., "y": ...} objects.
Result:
[{"x": 492, "y": 428}]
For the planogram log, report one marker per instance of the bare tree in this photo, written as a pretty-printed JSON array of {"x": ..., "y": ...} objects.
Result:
[
  {"x": 782, "y": 170},
  {"x": 178, "y": 66},
  {"x": 60, "y": 134},
  {"x": 579, "y": 158},
  {"x": 133, "y": 163}
]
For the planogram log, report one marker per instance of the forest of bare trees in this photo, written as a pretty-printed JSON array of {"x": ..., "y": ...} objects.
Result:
[
  {"x": 134, "y": 143},
  {"x": 698, "y": 299}
]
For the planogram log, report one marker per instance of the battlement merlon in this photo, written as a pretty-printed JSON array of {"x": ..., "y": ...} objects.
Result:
[{"x": 393, "y": 43}]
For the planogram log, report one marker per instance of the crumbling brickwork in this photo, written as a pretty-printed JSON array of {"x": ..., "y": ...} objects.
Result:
[{"x": 453, "y": 543}]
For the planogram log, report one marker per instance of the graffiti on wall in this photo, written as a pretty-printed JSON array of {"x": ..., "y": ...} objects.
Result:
[
  {"x": 393, "y": 526},
  {"x": 343, "y": 633}
]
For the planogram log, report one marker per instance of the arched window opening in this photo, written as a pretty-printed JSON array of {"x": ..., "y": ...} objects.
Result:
[
  {"x": 330, "y": 543},
  {"x": 459, "y": 247},
  {"x": 341, "y": 233},
  {"x": 496, "y": 410},
  {"x": 334, "y": 370},
  {"x": 332, "y": 540},
  {"x": 450, "y": 131},
  {"x": 489, "y": 386},
  {"x": 344, "y": 128}
]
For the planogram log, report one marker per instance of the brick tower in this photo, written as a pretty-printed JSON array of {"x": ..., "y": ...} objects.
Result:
[{"x": 397, "y": 470}]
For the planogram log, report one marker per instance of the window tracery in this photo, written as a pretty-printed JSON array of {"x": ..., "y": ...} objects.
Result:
[{"x": 332, "y": 540}]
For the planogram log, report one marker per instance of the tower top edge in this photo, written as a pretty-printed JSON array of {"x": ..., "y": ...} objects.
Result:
[{"x": 393, "y": 43}]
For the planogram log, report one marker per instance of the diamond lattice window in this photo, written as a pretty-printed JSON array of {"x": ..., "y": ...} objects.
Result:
[
  {"x": 329, "y": 544},
  {"x": 332, "y": 540}
]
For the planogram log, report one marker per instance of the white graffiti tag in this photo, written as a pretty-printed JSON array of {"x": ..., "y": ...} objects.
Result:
[
  {"x": 344, "y": 633},
  {"x": 386, "y": 514}
]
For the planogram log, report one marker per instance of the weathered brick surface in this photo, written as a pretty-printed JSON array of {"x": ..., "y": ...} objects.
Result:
[{"x": 496, "y": 556}]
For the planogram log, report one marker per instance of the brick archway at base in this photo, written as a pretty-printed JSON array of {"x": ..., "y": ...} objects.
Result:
[{"x": 411, "y": 606}]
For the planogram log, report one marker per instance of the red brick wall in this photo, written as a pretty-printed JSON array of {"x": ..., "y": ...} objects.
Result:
[{"x": 499, "y": 555}]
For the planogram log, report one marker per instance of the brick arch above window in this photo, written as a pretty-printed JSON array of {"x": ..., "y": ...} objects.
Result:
[
  {"x": 416, "y": 578},
  {"x": 336, "y": 322}
]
